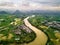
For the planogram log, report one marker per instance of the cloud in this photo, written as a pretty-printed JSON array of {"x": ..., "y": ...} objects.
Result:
[
  {"x": 7, "y": 4},
  {"x": 30, "y": 4}
]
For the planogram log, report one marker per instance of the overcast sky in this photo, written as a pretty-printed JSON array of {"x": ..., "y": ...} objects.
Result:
[{"x": 30, "y": 4}]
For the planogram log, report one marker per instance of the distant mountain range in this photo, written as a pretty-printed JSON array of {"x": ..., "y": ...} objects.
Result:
[
  {"x": 18, "y": 12},
  {"x": 3, "y": 12}
]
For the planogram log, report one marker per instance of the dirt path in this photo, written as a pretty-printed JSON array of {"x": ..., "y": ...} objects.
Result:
[{"x": 41, "y": 38}]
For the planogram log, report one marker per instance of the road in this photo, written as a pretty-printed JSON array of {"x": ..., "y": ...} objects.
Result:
[{"x": 41, "y": 38}]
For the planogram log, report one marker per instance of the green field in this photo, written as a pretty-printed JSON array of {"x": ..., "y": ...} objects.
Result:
[
  {"x": 10, "y": 31},
  {"x": 49, "y": 25}
]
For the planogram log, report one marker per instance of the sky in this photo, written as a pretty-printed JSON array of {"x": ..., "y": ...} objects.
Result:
[{"x": 30, "y": 4}]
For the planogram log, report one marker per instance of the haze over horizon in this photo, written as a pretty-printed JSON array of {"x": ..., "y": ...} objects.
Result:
[{"x": 30, "y": 5}]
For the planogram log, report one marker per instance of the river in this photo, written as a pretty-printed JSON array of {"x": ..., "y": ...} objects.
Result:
[{"x": 41, "y": 38}]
